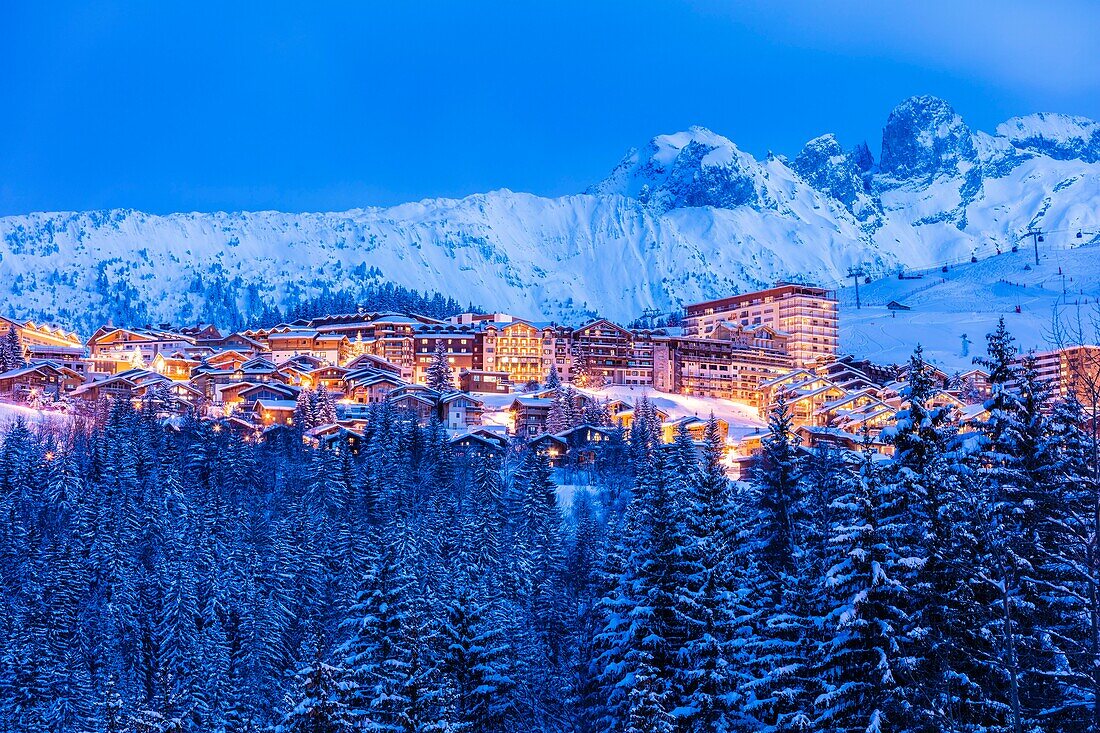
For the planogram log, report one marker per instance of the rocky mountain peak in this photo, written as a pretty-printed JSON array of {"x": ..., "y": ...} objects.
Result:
[
  {"x": 695, "y": 167},
  {"x": 925, "y": 138}
]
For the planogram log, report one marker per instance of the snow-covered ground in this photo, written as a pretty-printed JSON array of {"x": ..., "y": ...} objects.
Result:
[
  {"x": 684, "y": 217},
  {"x": 742, "y": 419},
  {"x": 953, "y": 311},
  {"x": 9, "y": 413}
]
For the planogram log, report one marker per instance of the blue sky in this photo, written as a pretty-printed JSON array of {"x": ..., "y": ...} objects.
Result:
[{"x": 195, "y": 106}]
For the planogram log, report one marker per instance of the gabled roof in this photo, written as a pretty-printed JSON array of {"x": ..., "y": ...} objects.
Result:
[
  {"x": 788, "y": 376},
  {"x": 606, "y": 323},
  {"x": 594, "y": 428},
  {"x": 421, "y": 399},
  {"x": 259, "y": 362},
  {"x": 850, "y": 397},
  {"x": 529, "y": 402},
  {"x": 327, "y": 429},
  {"x": 363, "y": 360},
  {"x": 276, "y": 405},
  {"x": 799, "y": 396},
  {"x": 302, "y": 361},
  {"x": 145, "y": 334},
  {"x": 685, "y": 420},
  {"x": 275, "y": 387},
  {"x": 88, "y": 386},
  {"x": 418, "y": 389},
  {"x": 452, "y": 396},
  {"x": 548, "y": 437},
  {"x": 176, "y": 356},
  {"x": 369, "y": 378},
  {"x": 495, "y": 442},
  {"x": 343, "y": 371},
  {"x": 238, "y": 386},
  {"x": 255, "y": 344},
  {"x": 292, "y": 333},
  {"x": 39, "y": 367}
]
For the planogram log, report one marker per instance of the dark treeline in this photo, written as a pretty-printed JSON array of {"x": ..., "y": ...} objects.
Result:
[
  {"x": 180, "y": 578},
  {"x": 235, "y": 303},
  {"x": 374, "y": 297}
]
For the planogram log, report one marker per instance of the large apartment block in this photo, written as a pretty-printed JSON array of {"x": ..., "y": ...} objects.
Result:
[
  {"x": 614, "y": 354},
  {"x": 525, "y": 351},
  {"x": 805, "y": 315},
  {"x": 1071, "y": 370},
  {"x": 715, "y": 368}
]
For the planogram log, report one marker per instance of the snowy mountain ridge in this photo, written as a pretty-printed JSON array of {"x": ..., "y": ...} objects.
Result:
[{"x": 685, "y": 217}]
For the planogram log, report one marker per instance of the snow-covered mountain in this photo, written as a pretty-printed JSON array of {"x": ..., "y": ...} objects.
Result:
[{"x": 686, "y": 216}]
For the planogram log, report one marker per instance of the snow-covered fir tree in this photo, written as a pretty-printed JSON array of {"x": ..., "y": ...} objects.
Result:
[
  {"x": 440, "y": 375},
  {"x": 164, "y": 575},
  {"x": 11, "y": 351}
]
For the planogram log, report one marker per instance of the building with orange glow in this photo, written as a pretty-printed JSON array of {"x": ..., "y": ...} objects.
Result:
[{"x": 805, "y": 315}]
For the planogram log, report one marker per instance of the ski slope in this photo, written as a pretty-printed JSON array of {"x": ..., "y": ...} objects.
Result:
[{"x": 953, "y": 311}]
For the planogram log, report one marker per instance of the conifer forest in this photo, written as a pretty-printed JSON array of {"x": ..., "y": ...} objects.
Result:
[{"x": 165, "y": 576}]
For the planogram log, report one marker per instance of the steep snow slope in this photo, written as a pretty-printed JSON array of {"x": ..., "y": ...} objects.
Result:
[
  {"x": 685, "y": 217},
  {"x": 952, "y": 312}
]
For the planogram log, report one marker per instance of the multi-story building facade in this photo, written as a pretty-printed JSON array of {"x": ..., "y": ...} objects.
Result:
[
  {"x": 525, "y": 351},
  {"x": 44, "y": 343},
  {"x": 1072, "y": 370},
  {"x": 614, "y": 354},
  {"x": 332, "y": 348},
  {"x": 119, "y": 349},
  {"x": 458, "y": 342},
  {"x": 709, "y": 367},
  {"x": 804, "y": 314}
]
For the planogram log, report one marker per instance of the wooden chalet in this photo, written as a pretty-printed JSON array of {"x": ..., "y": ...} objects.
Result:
[
  {"x": 48, "y": 379},
  {"x": 375, "y": 363},
  {"x": 272, "y": 392},
  {"x": 365, "y": 386},
  {"x": 334, "y": 437},
  {"x": 478, "y": 444},
  {"x": 583, "y": 441},
  {"x": 114, "y": 350},
  {"x": 625, "y": 417},
  {"x": 486, "y": 382},
  {"x": 529, "y": 416},
  {"x": 230, "y": 359},
  {"x": 695, "y": 426},
  {"x": 330, "y": 377},
  {"x": 177, "y": 366},
  {"x": 418, "y": 405},
  {"x": 274, "y": 412},
  {"x": 460, "y": 410},
  {"x": 550, "y": 446}
]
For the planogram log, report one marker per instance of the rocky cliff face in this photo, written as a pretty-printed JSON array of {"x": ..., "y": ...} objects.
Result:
[
  {"x": 842, "y": 175},
  {"x": 924, "y": 139}
]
